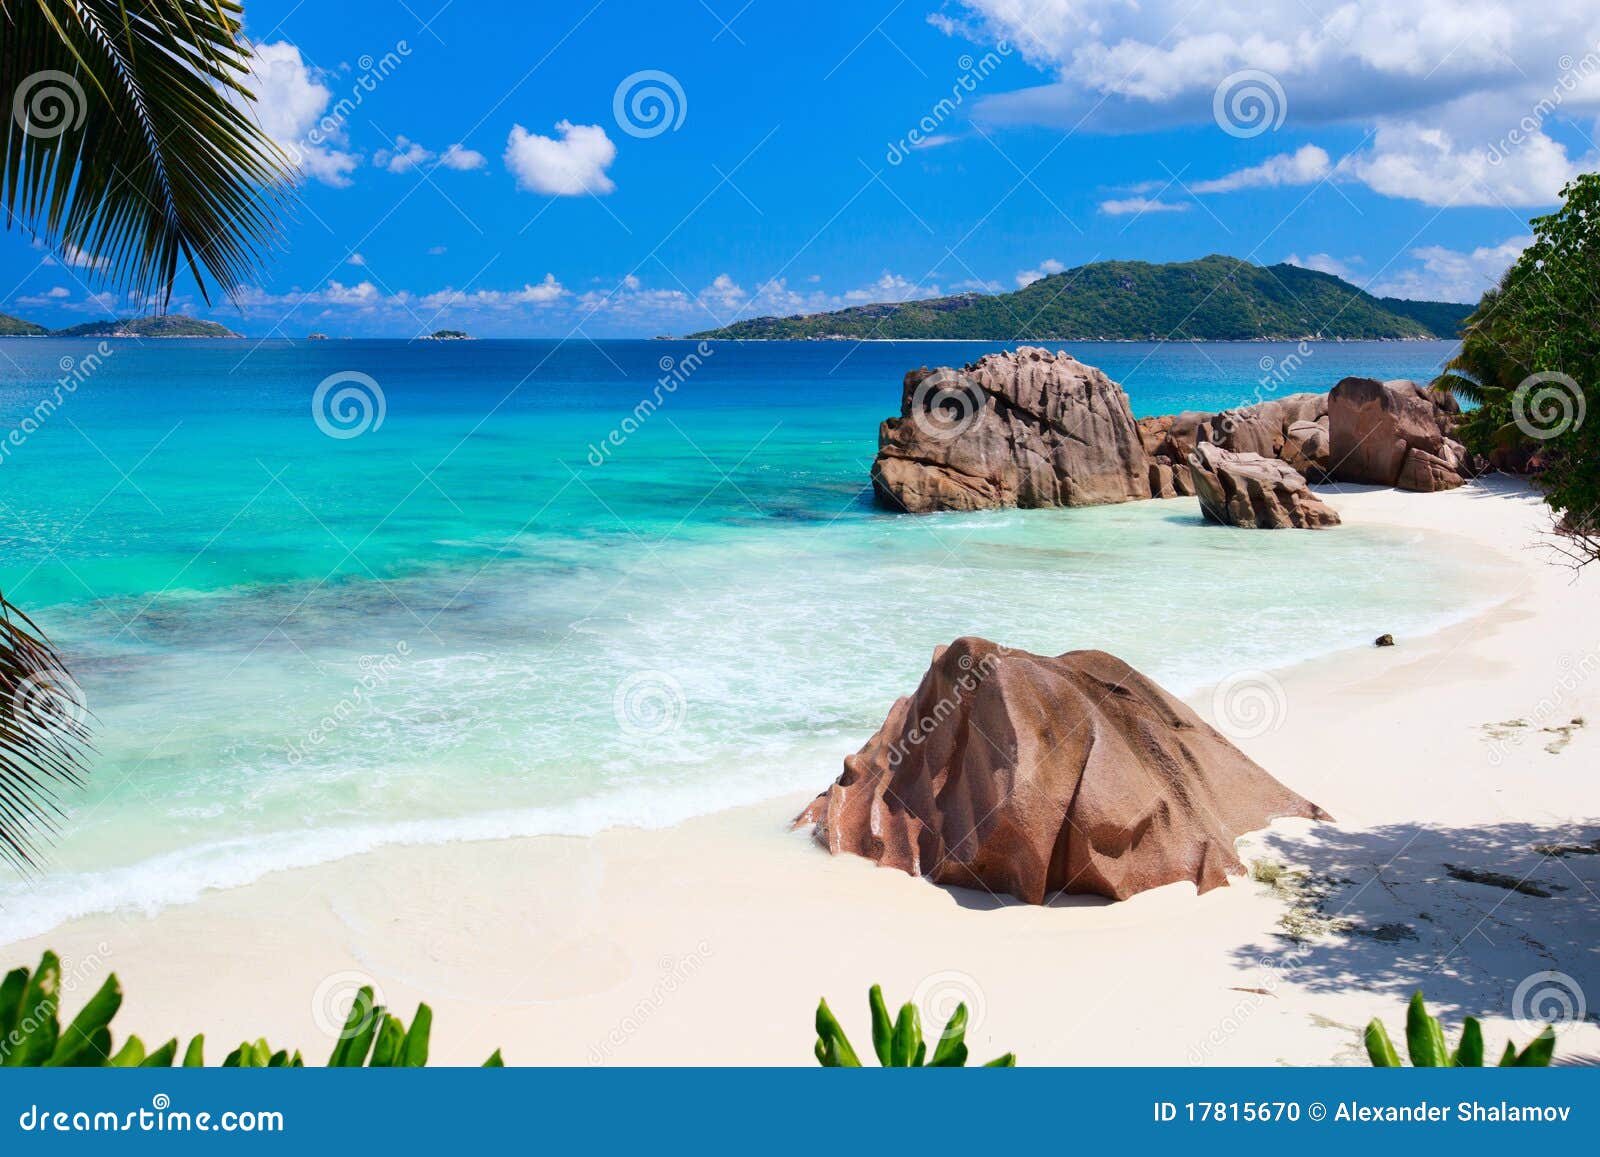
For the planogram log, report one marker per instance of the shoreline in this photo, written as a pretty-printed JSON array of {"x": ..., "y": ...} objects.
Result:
[{"x": 645, "y": 945}]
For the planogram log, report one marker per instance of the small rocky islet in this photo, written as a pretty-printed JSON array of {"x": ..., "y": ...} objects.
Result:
[{"x": 1033, "y": 428}]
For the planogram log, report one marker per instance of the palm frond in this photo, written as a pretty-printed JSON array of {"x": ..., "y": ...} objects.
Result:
[
  {"x": 132, "y": 142},
  {"x": 44, "y": 738}
]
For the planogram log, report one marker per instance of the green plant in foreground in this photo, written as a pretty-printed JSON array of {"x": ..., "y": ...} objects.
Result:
[
  {"x": 31, "y": 1035},
  {"x": 899, "y": 1043},
  {"x": 1426, "y": 1044}
]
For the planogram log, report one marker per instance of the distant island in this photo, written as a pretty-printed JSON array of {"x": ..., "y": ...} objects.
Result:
[
  {"x": 447, "y": 335},
  {"x": 1216, "y": 298},
  {"x": 166, "y": 325}
]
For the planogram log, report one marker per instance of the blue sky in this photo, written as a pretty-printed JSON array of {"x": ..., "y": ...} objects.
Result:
[{"x": 478, "y": 165}]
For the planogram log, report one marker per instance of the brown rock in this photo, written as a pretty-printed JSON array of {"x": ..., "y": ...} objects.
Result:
[
  {"x": 1035, "y": 776},
  {"x": 1251, "y": 491},
  {"x": 1425, "y": 473},
  {"x": 1024, "y": 428},
  {"x": 1305, "y": 447},
  {"x": 1373, "y": 425},
  {"x": 1264, "y": 427}
]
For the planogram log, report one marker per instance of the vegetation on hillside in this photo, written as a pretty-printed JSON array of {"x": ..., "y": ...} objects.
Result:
[
  {"x": 1529, "y": 361},
  {"x": 1216, "y": 298},
  {"x": 160, "y": 325},
  {"x": 16, "y": 327}
]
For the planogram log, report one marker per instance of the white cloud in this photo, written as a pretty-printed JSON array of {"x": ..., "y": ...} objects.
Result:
[
  {"x": 291, "y": 107},
  {"x": 462, "y": 158},
  {"x": 436, "y": 251},
  {"x": 564, "y": 167},
  {"x": 355, "y": 259},
  {"x": 1461, "y": 97},
  {"x": 1322, "y": 263},
  {"x": 405, "y": 156},
  {"x": 891, "y": 287},
  {"x": 1301, "y": 167},
  {"x": 1119, "y": 207},
  {"x": 1046, "y": 267},
  {"x": 1451, "y": 275}
]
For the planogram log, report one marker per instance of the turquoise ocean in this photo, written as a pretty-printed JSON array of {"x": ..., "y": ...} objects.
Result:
[{"x": 479, "y": 591}]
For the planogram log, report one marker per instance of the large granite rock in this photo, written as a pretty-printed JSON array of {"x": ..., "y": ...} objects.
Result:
[
  {"x": 1374, "y": 427},
  {"x": 1023, "y": 428},
  {"x": 1034, "y": 776},
  {"x": 1306, "y": 448},
  {"x": 1262, "y": 428},
  {"x": 1252, "y": 491}
]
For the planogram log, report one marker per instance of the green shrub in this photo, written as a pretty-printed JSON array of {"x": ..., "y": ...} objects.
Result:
[
  {"x": 31, "y": 1035},
  {"x": 899, "y": 1043},
  {"x": 1426, "y": 1044}
]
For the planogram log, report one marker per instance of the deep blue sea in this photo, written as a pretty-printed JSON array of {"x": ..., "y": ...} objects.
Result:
[{"x": 481, "y": 591}]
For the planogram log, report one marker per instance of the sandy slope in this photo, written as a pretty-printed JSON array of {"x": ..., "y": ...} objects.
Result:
[{"x": 710, "y": 942}]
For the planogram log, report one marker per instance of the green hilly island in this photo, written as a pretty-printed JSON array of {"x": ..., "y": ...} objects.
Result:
[
  {"x": 167, "y": 325},
  {"x": 1213, "y": 299}
]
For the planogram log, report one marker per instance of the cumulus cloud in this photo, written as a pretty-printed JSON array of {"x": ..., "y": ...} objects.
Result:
[
  {"x": 1460, "y": 96},
  {"x": 1451, "y": 275},
  {"x": 564, "y": 166},
  {"x": 1301, "y": 167},
  {"x": 291, "y": 107},
  {"x": 459, "y": 157},
  {"x": 1322, "y": 263},
  {"x": 1123, "y": 206},
  {"x": 405, "y": 156},
  {"x": 1046, "y": 267}
]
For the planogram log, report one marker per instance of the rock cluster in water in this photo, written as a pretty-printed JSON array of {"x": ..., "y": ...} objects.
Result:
[
  {"x": 1035, "y": 776},
  {"x": 1032, "y": 428}
]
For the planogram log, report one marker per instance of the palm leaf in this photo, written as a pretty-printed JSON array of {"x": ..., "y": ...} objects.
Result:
[
  {"x": 44, "y": 738},
  {"x": 133, "y": 144}
]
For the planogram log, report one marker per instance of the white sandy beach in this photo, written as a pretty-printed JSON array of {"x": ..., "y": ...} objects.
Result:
[{"x": 709, "y": 943}]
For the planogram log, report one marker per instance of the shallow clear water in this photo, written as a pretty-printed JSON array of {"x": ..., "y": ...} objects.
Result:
[{"x": 486, "y": 616}]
